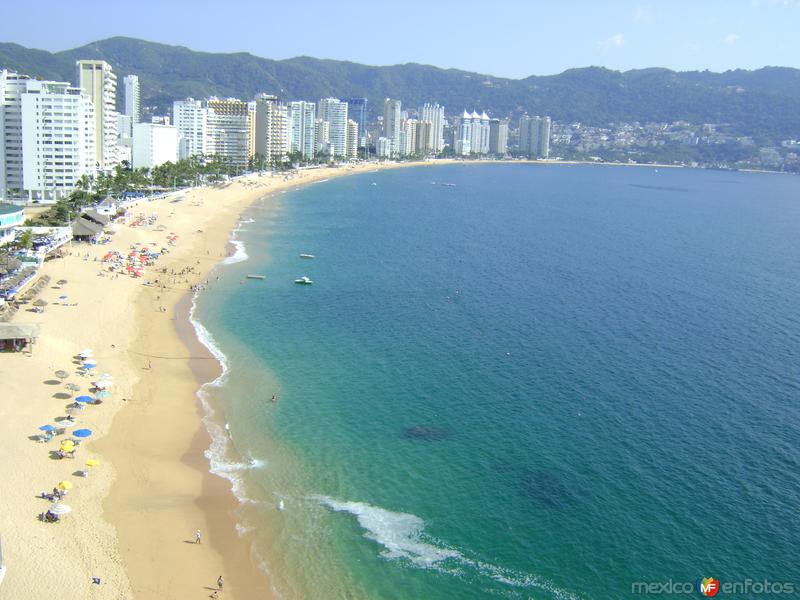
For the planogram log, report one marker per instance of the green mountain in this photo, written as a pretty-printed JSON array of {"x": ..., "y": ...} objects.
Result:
[{"x": 764, "y": 103}]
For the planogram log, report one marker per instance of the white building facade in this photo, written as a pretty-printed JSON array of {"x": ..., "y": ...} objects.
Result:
[
  {"x": 133, "y": 108},
  {"x": 154, "y": 145},
  {"x": 47, "y": 138},
  {"x": 271, "y": 128},
  {"x": 228, "y": 130},
  {"x": 191, "y": 119},
  {"x": 334, "y": 112},
  {"x": 435, "y": 115},
  {"x": 302, "y": 118},
  {"x": 472, "y": 134},
  {"x": 99, "y": 82}
]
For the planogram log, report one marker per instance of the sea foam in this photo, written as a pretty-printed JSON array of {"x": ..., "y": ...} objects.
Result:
[
  {"x": 219, "y": 450},
  {"x": 403, "y": 537}
]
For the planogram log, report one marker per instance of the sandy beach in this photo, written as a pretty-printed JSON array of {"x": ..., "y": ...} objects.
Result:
[{"x": 135, "y": 515}]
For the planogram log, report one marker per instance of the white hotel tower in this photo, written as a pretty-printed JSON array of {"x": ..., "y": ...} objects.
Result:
[
  {"x": 98, "y": 81},
  {"x": 47, "y": 138}
]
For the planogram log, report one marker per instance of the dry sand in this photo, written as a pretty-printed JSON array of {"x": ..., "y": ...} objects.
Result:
[{"x": 135, "y": 515}]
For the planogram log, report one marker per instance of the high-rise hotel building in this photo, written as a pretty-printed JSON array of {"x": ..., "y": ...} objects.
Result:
[
  {"x": 228, "y": 130},
  {"x": 271, "y": 128},
  {"x": 434, "y": 140},
  {"x": 191, "y": 119},
  {"x": 99, "y": 83},
  {"x": 47, "y": 138},
  {"x": 334, "y": 112},
  {"x": 534, "y": 136},
  {"x": 391, "y": 122},
  {"x": 472, "y": 134},
  {"x": 133, "y": 107},
  {"x": 302, "y": 118}
]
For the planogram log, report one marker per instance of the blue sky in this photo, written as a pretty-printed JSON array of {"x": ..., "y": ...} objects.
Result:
[{"x": 511, "y": 38}]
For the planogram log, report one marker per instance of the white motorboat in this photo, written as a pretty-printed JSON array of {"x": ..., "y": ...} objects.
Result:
[
  {"x": 303, "y": 281},
  {"x": 307, "y": 256}
]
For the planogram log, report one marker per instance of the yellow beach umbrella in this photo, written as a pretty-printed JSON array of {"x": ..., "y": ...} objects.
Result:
[
  {"x": 65, "y": 485},
  {"x": 67, "y": 446},
  {"x": 92, "y": 462}
]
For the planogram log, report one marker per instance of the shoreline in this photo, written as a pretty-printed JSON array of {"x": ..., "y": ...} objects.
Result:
[
  {"x": 155, "y": 486},
  {"x": 214, "y": 501}
]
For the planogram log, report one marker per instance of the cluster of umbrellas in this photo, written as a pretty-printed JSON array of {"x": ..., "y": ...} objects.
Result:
[
  {"x": 136, "y": 260},
  {"x": 69, "y": 445}
]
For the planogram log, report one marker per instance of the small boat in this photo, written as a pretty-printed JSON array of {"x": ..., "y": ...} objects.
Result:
[
  {"x": 307, "y": 256},
  {"x": 256, "y": 276},
  {"x": 281, "y": 505},
  {"x": 303, "y": 281}
]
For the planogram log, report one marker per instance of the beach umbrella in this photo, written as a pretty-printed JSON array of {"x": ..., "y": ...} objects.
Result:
[
  {"x": 86, "y": 352},
  {"x": 105, "y": 383},
  {"x": 59, "y": 509},
  {"x": 61, "y": 374},
  {"x": 62, "y": 297},
  {"x": 47, "y": 427},
  {"x": 84, "y": 399},
  {"x": 92, "y": 462},
  {"x": 67, "y": 446},
  {"x": 72, "y": 387},
  {"x": 61, "y": 282},
  {"x": 82, "y": 433},
  {"x": 103, "y": 394},
  {"x": 65, "y": 485},
  {"x": 73, "y": 410},
  {"x": 40, "y": 303},
  {"x": 107, "y": 376},
  {"x": 89, "y": 365}
]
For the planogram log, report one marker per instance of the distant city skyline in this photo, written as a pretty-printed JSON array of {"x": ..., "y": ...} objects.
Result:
[{"x": 516, "y": 39}]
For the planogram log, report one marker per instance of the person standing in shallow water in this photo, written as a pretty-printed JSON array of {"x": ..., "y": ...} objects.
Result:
[{"x": 197, "y": 537}]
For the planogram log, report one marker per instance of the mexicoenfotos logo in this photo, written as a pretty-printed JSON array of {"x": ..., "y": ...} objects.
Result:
[{"x": 708, "y": 586}]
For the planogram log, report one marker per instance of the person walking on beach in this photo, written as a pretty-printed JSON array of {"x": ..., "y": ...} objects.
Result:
[
  {"x": 220, "y": 582},
  {"x": 197, "y": 537}
]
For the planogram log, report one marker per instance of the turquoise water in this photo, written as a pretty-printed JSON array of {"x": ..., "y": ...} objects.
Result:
[{"x": 542, "y": 382}]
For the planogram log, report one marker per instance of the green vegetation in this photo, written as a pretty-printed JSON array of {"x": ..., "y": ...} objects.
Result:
[
  {"x": 90, "y": 191},
  {"x": 764, "y": 104}
]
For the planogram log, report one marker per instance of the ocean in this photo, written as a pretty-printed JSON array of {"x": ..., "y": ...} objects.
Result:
[{"x": 513, "y": 381}]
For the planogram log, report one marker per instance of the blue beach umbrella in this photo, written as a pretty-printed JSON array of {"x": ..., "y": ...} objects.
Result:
[
  {"x": 82, "y": 433},
  {"x": 89, "y": 365},
  {"x": 84, "y": 399},
  {"x": 47, "y": 428}
]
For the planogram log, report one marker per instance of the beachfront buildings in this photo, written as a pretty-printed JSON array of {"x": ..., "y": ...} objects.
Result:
[
  {"x": 352, "y": 139},
  {"x": 47, "y": 138},
  {"x": 472, "y": 134},
  {"x": 392, "y": 110},
  {"x": 334, "y": 112},
  {"x": 357, "y": 110},
  {"x": 228, "y": 130},
  {"x": 434, "y": 138},
  {"x": 271, "y": 133},
  {"x": 191, "y": 119},
  {"x": 534, "y": 136},
  {"x": 498, "y": 136},
  {"x": 154, "y": 144},
  {"x": 132, "y": 98},
  {"x": 302, "y": 121},
  {"x": 99, "y": 83}
]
